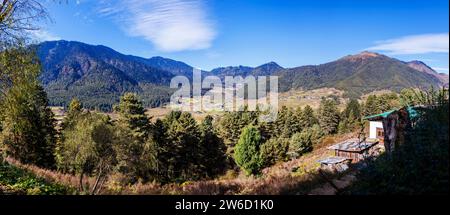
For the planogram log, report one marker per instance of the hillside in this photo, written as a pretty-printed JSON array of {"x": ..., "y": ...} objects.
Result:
[
  {"x": 98, "y": 75},
  {"x": 357, "y": 74},
  {"x": 421, "y": 66},
  {"x": 263, "y": 70}
]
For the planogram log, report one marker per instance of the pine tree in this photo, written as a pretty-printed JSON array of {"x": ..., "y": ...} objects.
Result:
[
  {"x": 28, "y": 125},
  {"x": 300, "y": 143},
  {"x": 213, "y": 149},
  {"x": 350, "y": 116},
  {"x": 328, "y": 116},
  {"x": 132, "y": 115},
  {"x": 281, "y": 129},
  {"x": 136, "y": 150},
  {"x": 231, "y": 125},
  {"x": 371, "y": 106},
  {"x": 185, "y": 153},
  {"x": 274, "y": 150},
  {"x": 247, "y": 152},
  {"x": 307, "y": 118}
]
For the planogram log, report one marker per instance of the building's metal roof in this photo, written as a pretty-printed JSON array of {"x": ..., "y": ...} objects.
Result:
[
  {"x": 413, "y": 113},
  {"x": 333, "y": 160},
  {"x": 353, "y": 145}
]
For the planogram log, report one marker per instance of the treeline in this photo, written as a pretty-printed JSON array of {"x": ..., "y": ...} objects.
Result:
[{"x": 97, "y": 97}]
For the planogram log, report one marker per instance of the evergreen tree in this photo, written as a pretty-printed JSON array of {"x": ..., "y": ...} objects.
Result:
[
  {"x": 316, "y": 133},
  {"x": 350, "y": 117},
  {"x": 231, "y": 125},
  {"x": 132, "y": 115},
  {"x": 307, "y": 118},
  {"x": 408, "y": 97},
  {"x": 136, "y": 150},
  {"x": 247, "y": 153},
  {"x": 300, "y": 143},
  {"x": 274, "y": 150},
  {"x": 371, "y": 106},
  {"x": 281, "y": 127},
  {"x": 28, "y": 132},
  {"x": 213, "y": 149},
  {"x": 328, "y": 116},
  {"x": 185, "y": 152}
]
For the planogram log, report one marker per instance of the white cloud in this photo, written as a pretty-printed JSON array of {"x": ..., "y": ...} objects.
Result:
[
  {"x": 171, "y": 25},
  {"x": 441, "y": 69},
  {"x": 43, "y": 35},
  {"x": 414, "y": 44}
]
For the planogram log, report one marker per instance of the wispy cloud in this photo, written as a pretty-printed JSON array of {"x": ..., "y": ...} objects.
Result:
[
  {"x": 414, "y": 44},
  {"x": 441, "y": 69},
  {"x": 171, "y": 25},
  {"x": 43, "y": 35}
]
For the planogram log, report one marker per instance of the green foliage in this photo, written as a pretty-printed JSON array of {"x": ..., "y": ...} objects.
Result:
[
  {"x": 379, "y": 104},
  {"x": 213, "y": 148},
  {"x": 187, "y": 151},
  {"x": 132, "y": 115},
  {"x": 136, "y": 158},
  {"x": 28, "y": 126},
  {"x": 301, "y": 143},
  {"x": 282, "y": 126},
  {"x": 87, "y": 147},
  {"x": 307, "y": 118},
  {"x": 408, "y": 97},
  {"x": 135, "y": 148},
  {"x": 350, "y": 117},
  {"x": 328, "y": 116},
  {"x": 420, "y": 165},
  {"x": 23, "y": 182},
  {"x": 231, "y": 125},
  {"x": 274, "y": 150},
  {"x": 73, "y": 112},
  {"x": 316, "y": 133},
  {"x": 247, "y": 153}
]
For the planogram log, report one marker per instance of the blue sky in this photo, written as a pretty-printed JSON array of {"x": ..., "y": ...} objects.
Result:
[{"x": 213, "y": 33}]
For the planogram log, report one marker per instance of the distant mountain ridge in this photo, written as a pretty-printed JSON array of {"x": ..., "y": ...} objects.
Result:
[
  {"x": 421, "y": 66},
  {"x": 98, "y": 75},
  {"x": 358, "y": 74}
]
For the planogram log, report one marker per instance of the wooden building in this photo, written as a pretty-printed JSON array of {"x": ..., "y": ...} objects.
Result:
[
  {"x": 389, "y": 127},
  {"x": 354, "y": 150}
]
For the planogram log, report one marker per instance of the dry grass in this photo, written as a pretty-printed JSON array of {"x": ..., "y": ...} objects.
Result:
[{"x": 53, "y": 176}]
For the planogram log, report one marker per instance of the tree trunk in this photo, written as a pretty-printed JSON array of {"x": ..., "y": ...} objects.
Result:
[
  {"x": 81, "y": 181},
  {"x": 99, "y": 176}
]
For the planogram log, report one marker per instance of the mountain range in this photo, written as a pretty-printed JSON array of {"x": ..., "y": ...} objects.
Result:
[{"x": 98, "y": 75}]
